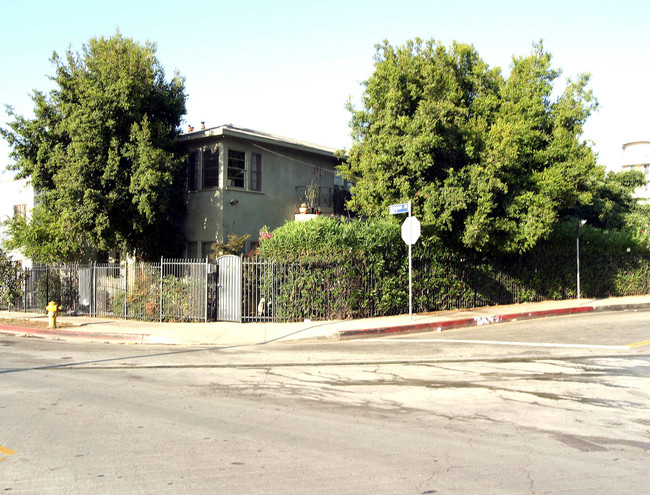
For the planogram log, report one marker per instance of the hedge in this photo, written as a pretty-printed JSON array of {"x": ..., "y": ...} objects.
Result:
[{"x": 332, "y": 269}]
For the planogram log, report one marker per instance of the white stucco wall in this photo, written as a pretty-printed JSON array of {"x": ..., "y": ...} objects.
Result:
[{"x": 636, "y": 155}]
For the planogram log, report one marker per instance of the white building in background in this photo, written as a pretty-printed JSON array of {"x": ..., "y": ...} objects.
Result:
[
  {"x": 636, "y": 156},
  {"x": 16, "y": 199}
]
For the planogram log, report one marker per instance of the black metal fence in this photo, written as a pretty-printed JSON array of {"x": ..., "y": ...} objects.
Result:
[
  {"x": 316, "y": 290},
  {"x": 190, "y": 290},
  {"x": 172, "y": 290},
  {"x": 298, "y": 291},
  {"x": 42, "y": 284}
]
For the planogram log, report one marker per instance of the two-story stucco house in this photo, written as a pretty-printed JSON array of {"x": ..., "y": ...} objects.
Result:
[{"x": 240, "y": 180}]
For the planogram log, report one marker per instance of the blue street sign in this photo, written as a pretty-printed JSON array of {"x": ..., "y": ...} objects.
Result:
[{"x": 397, "y": 209}]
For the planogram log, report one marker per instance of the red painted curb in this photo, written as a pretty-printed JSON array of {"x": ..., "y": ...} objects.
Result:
[
  {"x": 460, "y": 323},
  {"x": 15, "y": 329}
]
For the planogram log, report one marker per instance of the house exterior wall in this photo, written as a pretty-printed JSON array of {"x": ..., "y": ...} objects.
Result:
[
  {"x": 15, "y": 193},
  {"x": 227, "y": 208},
  {"x": 636, "y": 156},
  {"x": 204, "y": 218}
]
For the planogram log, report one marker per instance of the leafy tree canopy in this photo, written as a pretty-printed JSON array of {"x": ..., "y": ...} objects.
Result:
[
  {"x": 102, "y": 156},
  {"x": 613, "y": 205},
  {"x": 490, "y": 162}
]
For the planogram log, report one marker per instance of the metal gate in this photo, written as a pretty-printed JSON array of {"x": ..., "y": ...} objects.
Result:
[{"x": 229, "y": 288}]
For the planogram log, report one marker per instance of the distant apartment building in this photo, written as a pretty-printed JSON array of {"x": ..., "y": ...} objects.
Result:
[
  {"x": 636, "y": 156},
  {"x": 16, "y": 199}
]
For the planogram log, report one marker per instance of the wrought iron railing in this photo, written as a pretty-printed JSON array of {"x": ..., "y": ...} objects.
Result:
[
  {"x": 190, "y": 290},
  {"x": 172, "y": 290},
  {"x": 315, "y": 196}
]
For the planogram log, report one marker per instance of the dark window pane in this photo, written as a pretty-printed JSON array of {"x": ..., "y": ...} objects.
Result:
[
  {"x": 236, "y": 168},
  {"x": 256, "y": 171},
  {"x": 191, "y": 171},
  {"x": 210, "y": 169}
]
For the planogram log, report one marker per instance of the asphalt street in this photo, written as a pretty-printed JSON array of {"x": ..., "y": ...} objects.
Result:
[{"x": 545, "y": 406}]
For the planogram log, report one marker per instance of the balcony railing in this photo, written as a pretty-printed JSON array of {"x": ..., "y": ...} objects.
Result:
[{"x": 315, "y": 196}]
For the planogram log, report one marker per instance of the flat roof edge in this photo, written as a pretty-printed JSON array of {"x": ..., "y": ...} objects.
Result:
[{"x": 240, "y": 132}]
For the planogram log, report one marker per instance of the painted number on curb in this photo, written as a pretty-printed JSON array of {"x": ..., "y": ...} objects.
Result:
[{"x": 487, "y": 320}]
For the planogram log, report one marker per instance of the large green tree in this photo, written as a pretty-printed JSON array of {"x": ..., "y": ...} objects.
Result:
[
  {"x": 102, "y": 155},
  {"x": 490, "y": 162}
]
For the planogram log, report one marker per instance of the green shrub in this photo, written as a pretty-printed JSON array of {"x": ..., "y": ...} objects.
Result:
[
  {"x": 329, "y": 268},
  {"x": 10, "y": 281},
  {"x": 326, "y": 239}
]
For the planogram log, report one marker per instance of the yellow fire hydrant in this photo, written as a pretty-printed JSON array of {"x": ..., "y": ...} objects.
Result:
[{"x": 52, "y": 309}]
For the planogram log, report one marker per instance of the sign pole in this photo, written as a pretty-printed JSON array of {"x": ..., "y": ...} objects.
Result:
[
  {"x": 410, "y": 269},
  {"x": 410, "y": 235}
]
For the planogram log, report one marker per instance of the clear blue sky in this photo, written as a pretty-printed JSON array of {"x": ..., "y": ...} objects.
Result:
[{"x": 288, "y": 67}]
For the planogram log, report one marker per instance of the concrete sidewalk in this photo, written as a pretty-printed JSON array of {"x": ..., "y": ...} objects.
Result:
[{"x": 88, "y": 329}]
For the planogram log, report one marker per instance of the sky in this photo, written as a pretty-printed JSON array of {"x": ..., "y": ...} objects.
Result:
[{"x": 288, "y": 67}]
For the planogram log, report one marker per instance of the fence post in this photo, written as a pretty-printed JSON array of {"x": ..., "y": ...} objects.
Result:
[
  {"x": 241, "y": 287},
  {"x": 161, "y": 288},
  {"x": 207, "y": 286},
  {"x": 126, "y": 286},
  {"x": 93, "y": 290},
  {"x": 25, "y": 291}
]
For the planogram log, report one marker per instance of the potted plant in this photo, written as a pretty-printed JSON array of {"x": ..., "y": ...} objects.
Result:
[
  {"x": 303, "y": 208},
  {"x": 311, "y": 195}
]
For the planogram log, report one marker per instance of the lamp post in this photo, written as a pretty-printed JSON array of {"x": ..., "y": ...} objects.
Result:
[{"x": 580, "y": 224}]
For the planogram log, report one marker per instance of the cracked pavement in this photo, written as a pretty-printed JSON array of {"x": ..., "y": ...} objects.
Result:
[{"x": 420, "y": 415}]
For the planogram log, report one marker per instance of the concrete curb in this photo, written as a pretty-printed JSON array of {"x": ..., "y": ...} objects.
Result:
[
  {"x": 67, "y": 333},
  {"x": 150, "y": 335},
  {"x": 621, "y": 307},
  {"x": 460, "y": 323}
]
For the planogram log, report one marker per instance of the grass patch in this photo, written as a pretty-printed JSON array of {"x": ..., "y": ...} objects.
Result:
[{"x": 25, "y": 323}]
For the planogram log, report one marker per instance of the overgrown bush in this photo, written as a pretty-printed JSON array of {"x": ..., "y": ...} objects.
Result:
[
  {"x": 612, "y": 263},
  {"x": 10, "y": 282},
  {"x": 329, "y": 268},
  {"x": 326, "y": 239},
  {"x": 143, "y": 297}
]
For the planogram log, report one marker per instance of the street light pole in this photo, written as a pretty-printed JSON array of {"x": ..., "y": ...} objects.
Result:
[{"x": 580, "y": 224}]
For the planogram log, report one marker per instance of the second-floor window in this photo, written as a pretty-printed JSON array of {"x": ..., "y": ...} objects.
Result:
[
  {"x": 210, "y": 169},
  {"x": 192, "y": 165},
  {"x": 256, "y": 172},
  {"x": 244, "y": 170},
  {"x": 236, "y": 169},
  {"x": 203, "y": 169}
]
